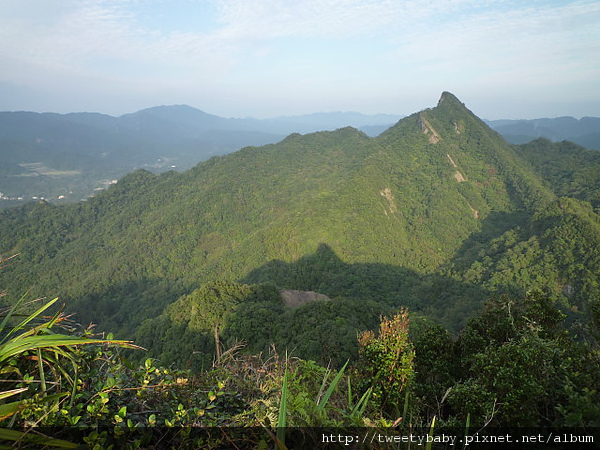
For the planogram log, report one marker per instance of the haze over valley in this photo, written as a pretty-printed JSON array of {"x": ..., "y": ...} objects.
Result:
[
  {"x": 253, "y": 272},
  {"x": 68, "y": 157}
]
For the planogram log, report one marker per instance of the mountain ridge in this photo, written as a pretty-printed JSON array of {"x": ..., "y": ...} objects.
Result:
[
  {"x": 96, "y": 149},
  {"x": 584, "y": 131},
  {"x": 68, "y": 157},
  {"x": 354, "y": 217}
]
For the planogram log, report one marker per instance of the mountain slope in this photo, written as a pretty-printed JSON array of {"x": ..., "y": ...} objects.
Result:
[
  {"x": 401, "y": 219},
  {"x": 73, "y": 155},
  {"x": 568, "y": 169}
]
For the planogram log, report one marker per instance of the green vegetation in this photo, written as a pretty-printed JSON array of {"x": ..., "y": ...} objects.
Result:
[
  {"x": 513, "y": 364},
  {"x": 435, "y": 216},
  {"x": 337, "y": 212},
  {"x": 568, "y": 169},
  {"x": 67, "y": 157}
]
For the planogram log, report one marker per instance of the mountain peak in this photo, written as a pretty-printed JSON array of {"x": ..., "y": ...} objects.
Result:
[{"x": 449, "y": 97}]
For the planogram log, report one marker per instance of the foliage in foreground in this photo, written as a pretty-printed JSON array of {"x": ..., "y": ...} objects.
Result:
[
  {"x": 513, "y": 365},
  {"x": 40, "y": 366}
]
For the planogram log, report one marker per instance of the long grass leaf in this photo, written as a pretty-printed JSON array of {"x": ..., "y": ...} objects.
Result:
[
  {"x": 331, "y": 388},
  {"x": 6, "y": 394},
  {"x": 74, "y": 383},
  {"x": 360, "y": 407},
  {"x": 430, "y": 440},
  {"x": 349, "y": 392},
  {"x": 8, "y": 409},
  {"x": 32, "y": 316},
  {"x": 28, "y": 438},
  {"x": 54, "y": 363},
  {"x": 282, "y": 417},
  {"x": 9, "y": 314},
  {"x": 323, "y": 384},
  {"x": 18, "y": 346},
  {"x": 278, "y": 444},
  {"x": 40, "y": 362}
]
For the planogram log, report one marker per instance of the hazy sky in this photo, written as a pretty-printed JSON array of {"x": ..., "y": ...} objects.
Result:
[{"x": 264, "y": 58}]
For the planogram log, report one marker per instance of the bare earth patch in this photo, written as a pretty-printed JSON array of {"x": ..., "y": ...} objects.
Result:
[
  {"x": 459, "y": 177},
  {"x": 387, "y": 193},
  {"x": 426, "y": 127},
  {"x": 294, "y": 299}
]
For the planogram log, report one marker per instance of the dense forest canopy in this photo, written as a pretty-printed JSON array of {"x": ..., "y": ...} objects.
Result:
[
  {"x": 438, "y": 214},
  {"x": 68, "y": 157}
]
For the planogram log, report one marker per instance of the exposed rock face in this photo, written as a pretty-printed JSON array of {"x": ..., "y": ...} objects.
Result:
[
  {"x": 451, "y": 161},
  {"x": 426, "y": 127},
  {"x": 459, "y": 177},
  {"x": 387, "y": 193},
  {"x": 293, "y": 299}
]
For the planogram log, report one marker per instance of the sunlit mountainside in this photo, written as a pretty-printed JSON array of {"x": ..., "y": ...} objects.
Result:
[
  {"x": 435, "y": 205},
  {"x": 68, "y": 157},
  {"x": 303, "y": 243}
]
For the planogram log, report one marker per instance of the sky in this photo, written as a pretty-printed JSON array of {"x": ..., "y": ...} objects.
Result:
[{"x": 266, "y": 58}]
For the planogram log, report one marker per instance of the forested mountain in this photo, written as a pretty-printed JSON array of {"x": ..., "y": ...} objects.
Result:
[
  {"x": 68, "y": 157},
  {"x": 438, "y": 213},
  {"x": 584, "y": 131},
  {"x": 567, "y": 168},
  {"x": 451, "y": 275}
]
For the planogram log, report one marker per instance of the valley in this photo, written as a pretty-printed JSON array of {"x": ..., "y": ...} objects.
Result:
[{"x": 480, "y": 254}]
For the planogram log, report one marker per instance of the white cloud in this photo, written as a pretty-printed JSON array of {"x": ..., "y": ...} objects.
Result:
[
  {"x": 524, "y": 43},
  {"x": 297, "y": 48}
]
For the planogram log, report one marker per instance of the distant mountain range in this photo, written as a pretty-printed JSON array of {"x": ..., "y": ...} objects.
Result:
[
  {"x": 584, "y": 131},
  {"x": 68, "y": 157},
  {"x": 437, "y": 214}
]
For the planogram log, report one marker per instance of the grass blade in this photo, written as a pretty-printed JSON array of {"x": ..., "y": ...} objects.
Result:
[
  {"x": 6, "y": 394},
  {"x": 32, "y": 316},
  {"x": 282, "y": 417},
  {"x": 349, "y": 392},
  {"x": 17, "y": 346},
  {"x": 8, "y": 409},
  {"x": 360, "y": 407},
  {"x": 40, "y": 362},
  {"x": 19, "y": 436},
  {"x": 10, "y": 313},
  {"x": 431, "y": 428},
  {"x": 331, "y": 388}
]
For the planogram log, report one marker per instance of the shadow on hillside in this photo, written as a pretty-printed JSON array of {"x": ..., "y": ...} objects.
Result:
[
  {"x": 320, "y": 330},
  {"x": 122, "y": 307},
  {"x": 444, "y": 298},
  {"x": 354, "y": 287},
  {"x": 324, "y": 331},
  {"x": 323, "y": 271},
  {"x": 492, "y": 227}
]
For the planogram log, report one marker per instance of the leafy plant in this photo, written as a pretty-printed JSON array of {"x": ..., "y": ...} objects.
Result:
[
  {"x": 386, "y": 362},
  {"x": 29, "y": 345}
]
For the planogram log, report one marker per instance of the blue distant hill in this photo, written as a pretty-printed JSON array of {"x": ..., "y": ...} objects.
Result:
[{"x": 584, "y": 131}]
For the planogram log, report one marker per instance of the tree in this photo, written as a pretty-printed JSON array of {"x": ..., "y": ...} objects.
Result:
[
  {"x": 386, "y": 361},
  {"x": 519, "y": 366}
]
